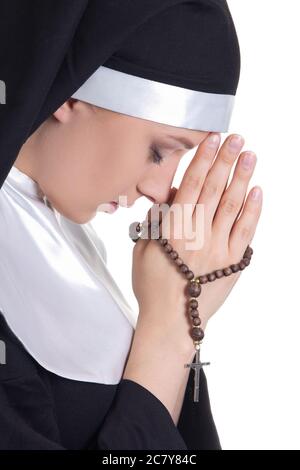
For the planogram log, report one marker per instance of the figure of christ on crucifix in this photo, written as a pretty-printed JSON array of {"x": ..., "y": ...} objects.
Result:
[{"x": 197, "y": 366}]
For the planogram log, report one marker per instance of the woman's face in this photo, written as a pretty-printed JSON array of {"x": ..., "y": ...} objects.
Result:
[{"x": 83, "y": 157}]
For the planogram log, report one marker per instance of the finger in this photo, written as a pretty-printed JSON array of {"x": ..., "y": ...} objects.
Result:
[
  {"x": 244, "y": 228},
  {"x": 218, "y": 175},
  {"x": 195, "y": 174},
  {"x": 172, "y": 194},
  {"x": 154, "y": 216},
  {"x": 234, "y": 196},
  {"x": 154, "y": 213}
]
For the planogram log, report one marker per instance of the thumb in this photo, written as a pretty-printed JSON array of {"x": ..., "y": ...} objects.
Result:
[
  {"x": 172, "y": 195},
  {"x": 151, "y": 216},
  {"x": 154, "y": 217}
]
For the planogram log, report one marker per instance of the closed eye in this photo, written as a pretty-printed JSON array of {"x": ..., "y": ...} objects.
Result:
[{"x": 156, "y": 156}]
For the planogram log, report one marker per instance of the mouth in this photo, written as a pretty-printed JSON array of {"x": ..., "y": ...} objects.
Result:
[
  {"x": 108, "y": 207},
  {"x": 112, "y": 206}
]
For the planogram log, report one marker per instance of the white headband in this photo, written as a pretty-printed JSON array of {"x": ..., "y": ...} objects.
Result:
[{"x": 156, "y": 101}]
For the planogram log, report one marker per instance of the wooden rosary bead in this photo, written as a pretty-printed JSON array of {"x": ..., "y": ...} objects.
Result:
[
  {"x": 189, "y": 275},
  {"x": 248, "y": 253},
  {"x": 235, "y": 268},
  {"x": 168, "y": 248},
  {"x": 178, "y": 261},
  {"x": 219, "y": 273},
  {"x": 133, "y": 230},
  {"x": 184, "y": 268},
  {"x": 173, "y": 255},
  {"x": 194, "y": 289},
  {"x": 197, "y": 333},
  {"x": 211, "y": 277},
  {"x": 227, "y": 271},
  {"x": 246, "y": 261},
  {"x": 203, "y": 279},
  {"x": 193, "y": 303},
  {"x": 163, "y": 241},
  {"x": 242, "y": 265},
  {"x": 196, "y": 321},
  {"x": 194, "y": 312}
]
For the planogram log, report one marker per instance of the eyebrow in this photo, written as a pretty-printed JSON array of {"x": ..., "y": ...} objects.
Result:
[{"x": 188, "y": 144}]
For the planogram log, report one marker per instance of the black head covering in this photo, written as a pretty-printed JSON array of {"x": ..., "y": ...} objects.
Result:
[
  {"x": 192, "y": 44},
  {"x": 50, "y": 49}
]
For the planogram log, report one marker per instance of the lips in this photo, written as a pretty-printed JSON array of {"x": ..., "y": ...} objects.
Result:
[
  {"x": 108, "y": 207},
  {"x": 112, "y": 206},
  {"x": 116, "y": 204}
]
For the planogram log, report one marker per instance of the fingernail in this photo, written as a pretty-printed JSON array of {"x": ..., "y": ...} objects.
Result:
[
  {"x": 213, "y": 140},
  {"x": 256, "y": 194},
  {"x": 248, "y": 160},
  {"x": 236, "y": 142}
]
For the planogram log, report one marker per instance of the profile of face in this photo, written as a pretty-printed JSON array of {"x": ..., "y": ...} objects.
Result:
[{"x": 83, "y": 157}]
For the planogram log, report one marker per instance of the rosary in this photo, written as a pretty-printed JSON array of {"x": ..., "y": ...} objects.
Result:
[{"x": 193, "y": 291}]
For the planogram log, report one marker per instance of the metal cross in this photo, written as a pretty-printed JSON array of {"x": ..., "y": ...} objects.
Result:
[{"x": 197, "y": 366}]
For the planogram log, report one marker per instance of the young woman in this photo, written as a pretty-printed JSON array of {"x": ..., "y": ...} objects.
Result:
[{"x": 80, "y": 373}]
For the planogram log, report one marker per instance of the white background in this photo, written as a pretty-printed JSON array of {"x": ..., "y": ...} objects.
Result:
[{"x": 253, "y": 340}]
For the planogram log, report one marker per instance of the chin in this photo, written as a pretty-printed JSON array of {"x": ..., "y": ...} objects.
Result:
[
  {"x": 82, "y": 219},
  {"x": 77, "y": 218}
]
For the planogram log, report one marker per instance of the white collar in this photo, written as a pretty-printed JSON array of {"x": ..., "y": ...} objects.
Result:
[{"x": 56, "y": 291}]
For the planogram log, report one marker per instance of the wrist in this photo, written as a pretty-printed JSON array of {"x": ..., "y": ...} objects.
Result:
[{"x": 168, "y": 332}]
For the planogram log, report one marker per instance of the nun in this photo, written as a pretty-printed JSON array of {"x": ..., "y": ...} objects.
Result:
[{"x": 102, "y": 100}]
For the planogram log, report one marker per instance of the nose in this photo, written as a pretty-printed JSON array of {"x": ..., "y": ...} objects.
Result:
[{"x": 156, "y": 186}]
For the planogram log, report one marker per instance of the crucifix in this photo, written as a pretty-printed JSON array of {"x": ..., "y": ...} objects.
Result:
[{"x": 197, "y": 366}]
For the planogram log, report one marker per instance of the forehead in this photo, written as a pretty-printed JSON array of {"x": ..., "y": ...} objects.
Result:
[{"x": 188, "y": 138}]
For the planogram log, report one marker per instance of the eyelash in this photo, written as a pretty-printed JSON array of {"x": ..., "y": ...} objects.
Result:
[{"x": 157, "y": 158}]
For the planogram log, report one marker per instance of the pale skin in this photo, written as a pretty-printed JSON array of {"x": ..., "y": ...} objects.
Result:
[{"x": 83, "y": 157}]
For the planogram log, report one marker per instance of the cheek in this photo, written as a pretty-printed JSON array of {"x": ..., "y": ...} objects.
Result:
[
  {"x": 119, "y": 167},
  {"x": 117, "y": 174},
  {"x": 106, "y": 159},
  {"x": 68, "y": 170}
]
